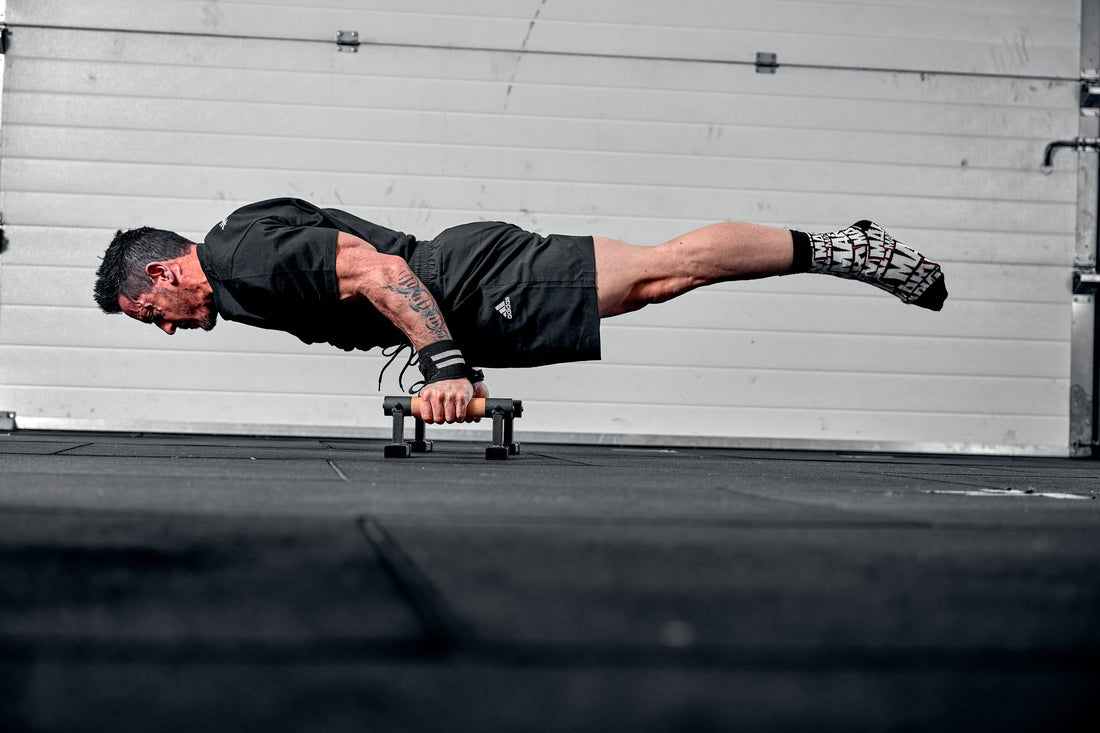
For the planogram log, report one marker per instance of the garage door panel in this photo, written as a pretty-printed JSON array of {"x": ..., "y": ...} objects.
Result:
[
  {"x": 220, "y": 372},
  {"x": 386, "y": 127},
  {"x": 342, "y": 166},
  {"x": 856, "y": 311},
  {"x": 60, "y": 59},
  {"x": 730, "y": 107},
  {"x": 964, "y": 179},
  {"x": 203, "y": 409},
  {"x": 354, "y": 416},
  {"x": 970, "y": 21},
  {"x": 964, "y": 37},
  {"x": 881, "y": 430},
  {"x": 816, "y": 352}
]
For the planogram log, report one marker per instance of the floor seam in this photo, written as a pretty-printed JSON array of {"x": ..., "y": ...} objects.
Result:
[{"x": 443, "y": 630}]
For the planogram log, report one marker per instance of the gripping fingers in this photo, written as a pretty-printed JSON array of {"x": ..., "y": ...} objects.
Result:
[
  {"x": 445, "y": 401},
  {"x": 453, "y": 408}
]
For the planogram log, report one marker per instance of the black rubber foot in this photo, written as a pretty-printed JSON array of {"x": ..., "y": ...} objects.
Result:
[
  {"x": 496, "y": 453},
  {"x": 513, "y": 449},
  {"x": 398, "y": 450},
  {"x": 420, "y": 446}
]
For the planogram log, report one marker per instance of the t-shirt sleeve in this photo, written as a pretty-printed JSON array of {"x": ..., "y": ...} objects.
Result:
[{"x": 288, "y": 260}]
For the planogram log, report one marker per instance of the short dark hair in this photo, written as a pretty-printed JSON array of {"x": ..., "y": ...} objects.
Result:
[{"x": 122, "y": 271}]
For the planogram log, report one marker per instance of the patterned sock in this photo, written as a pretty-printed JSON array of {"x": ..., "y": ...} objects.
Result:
[{"x": 864, "y": 251}]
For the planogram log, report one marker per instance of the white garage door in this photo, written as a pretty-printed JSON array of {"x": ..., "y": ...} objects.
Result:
[{"x": 636, "y": 120}]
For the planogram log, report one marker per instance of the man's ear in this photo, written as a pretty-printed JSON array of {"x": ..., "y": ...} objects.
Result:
[{"x": 162, "y": 273}]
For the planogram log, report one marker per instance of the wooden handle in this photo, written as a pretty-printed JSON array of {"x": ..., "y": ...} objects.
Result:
[{"x": 476, "y": 408}]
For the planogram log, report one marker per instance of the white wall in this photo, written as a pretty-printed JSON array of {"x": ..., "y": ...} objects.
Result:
[{"x": 632, "y": 120}]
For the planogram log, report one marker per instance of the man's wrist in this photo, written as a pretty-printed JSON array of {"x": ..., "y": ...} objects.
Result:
[{"x": 443, "y": 360}]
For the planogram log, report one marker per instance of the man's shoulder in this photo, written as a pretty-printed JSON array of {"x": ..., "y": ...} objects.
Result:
[
  {"x": 272, "y": 251},
  {"x": 250, "y": 231},
  {"x": 284, "y": 210},
  {"x": 286, "y": 207}
]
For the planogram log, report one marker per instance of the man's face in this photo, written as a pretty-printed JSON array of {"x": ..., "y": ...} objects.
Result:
[{"x": 169, "y": 308}]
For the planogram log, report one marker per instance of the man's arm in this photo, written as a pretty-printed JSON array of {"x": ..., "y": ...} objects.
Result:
[{"x": 399, "y": 295}]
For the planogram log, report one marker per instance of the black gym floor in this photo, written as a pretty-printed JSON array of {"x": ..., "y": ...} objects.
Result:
[{"x": 168, "y": 583}]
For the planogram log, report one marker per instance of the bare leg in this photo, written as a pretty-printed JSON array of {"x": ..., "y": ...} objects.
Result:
[{"x": 629, "y": 277}]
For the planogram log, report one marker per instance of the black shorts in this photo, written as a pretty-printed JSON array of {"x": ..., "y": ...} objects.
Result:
[{"x": 512, "y": 298}]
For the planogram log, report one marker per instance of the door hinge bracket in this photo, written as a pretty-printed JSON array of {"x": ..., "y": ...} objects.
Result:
[
  {"x": 766, "y": 62},
  {"x": 1090, "y": 92},
  {"x": 347, "y": 41},
  {"x": 1086, "y": 281}
]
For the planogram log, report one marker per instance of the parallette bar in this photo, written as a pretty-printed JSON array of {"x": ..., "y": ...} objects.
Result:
[
  {"x": 502, "y": 412},
  {"x": 478, "y": 407}
]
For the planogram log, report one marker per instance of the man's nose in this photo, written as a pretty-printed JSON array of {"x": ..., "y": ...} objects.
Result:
[{"x": 167, "y": 326}]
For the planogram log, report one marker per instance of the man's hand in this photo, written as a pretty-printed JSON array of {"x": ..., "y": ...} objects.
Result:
[{"x": 446, "y": 400}]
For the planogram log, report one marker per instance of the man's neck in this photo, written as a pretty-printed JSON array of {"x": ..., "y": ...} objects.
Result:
[{"x": 192, "y": 274}]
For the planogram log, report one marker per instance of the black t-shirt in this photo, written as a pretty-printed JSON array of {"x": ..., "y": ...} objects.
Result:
[{"x": 272, "y": 264}]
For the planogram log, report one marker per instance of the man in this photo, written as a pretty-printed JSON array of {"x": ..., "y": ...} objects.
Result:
[{"x": 486, "y": 293}]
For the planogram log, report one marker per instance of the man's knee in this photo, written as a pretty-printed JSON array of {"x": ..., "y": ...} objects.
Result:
[{"x": 630, "y": 277}]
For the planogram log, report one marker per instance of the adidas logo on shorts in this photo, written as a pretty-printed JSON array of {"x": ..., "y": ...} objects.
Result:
[{"x": 504, "y": 308}]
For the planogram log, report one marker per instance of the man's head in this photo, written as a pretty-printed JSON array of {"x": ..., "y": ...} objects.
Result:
[{"x": 153, "y": 275}]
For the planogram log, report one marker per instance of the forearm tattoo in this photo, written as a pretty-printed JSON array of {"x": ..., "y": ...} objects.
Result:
[{"x": 422, "y": 302}]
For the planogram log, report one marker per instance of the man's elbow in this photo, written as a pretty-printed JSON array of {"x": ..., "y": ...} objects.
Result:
[
  {"x": 373, "y": 277},
  {"x": 392, "y": 273}
]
